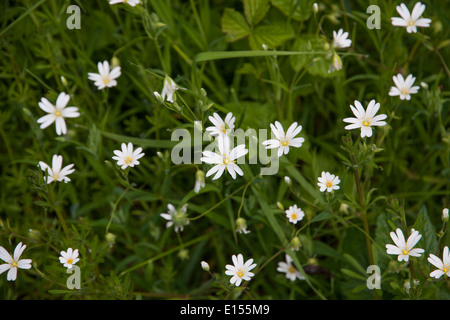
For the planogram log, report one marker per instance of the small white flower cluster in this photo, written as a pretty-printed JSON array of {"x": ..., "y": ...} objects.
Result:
[
  {"x": 405, "y": 249},
  {"x": 13, "y": 262}
]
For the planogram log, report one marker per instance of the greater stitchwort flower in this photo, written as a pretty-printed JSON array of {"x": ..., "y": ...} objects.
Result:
[
  {"x": 130, "y": 2},
  {"x": 57, "y": 113},
  {"x": 284, "y": 141},
  {"x": 240, "y": 270},
  {"x": 127, "y": 157},
  {"x": 287, "y": 267},
  {"x": 241, "y": 226},
  {"x": 365, "y": 119},
  {"x": 177, "y": 218},
  {"x": 13, "y": 262},
  {"x": 442, "y": 265},
  {"x": 221, "y": 127},
  {"x": 69, "y": 258},
  {"x": 294, "y": 214},
  {"x": 55, "y": 173},
  {"x": 404, "y": 249},
  {"x": 413, "y": 20},
  {"x": 328, "y": 182},
  {"x": 105, "y": 77},
  {"x": 224, "y": 160},
  {"x": 168, "y": 90},
  {"x": 340, "y": 39},
  {"x": 403, "y": 87},
  {"x": 199, "y": 181}
]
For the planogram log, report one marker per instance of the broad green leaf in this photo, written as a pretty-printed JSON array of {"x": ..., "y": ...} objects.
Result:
[
  {"x": 353, "y": 274},
  {"x": 255, "y": 10},
  {"x": 296, "y": 9},
  {"x": 322, "y": 216},
  {"x": 234, "y": 25},
  {"x": 429, "y": 238},
  {"x": 316, "y": 62},
  {"x": 271, "y": 35}
]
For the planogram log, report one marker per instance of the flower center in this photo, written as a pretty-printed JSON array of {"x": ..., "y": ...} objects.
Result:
[
  {"x": 226, "y": 161},
  {"x": 404, "y": 91},
  {"x": 58, "y": 113},
  {"x": 223, "y": 128},
  {"x": 405, "y": 252},
  {"x": 284, "y": 143},
  {"x": 106, "y": 79},
  {"x": 14, "y": 263},
  {"x": 128, "y": 160},
  {"x": 366, "y": 123},
  {"x": 411, "y": 23},
  {"x": 240, "y": 273},
  {"x": 292, "y": 269},
  {"x": 445, "y": 269},
  {"x": 294, "y": 216},
  {"x": 328, "y": 184},
  {"x": 70, "y": 261}
]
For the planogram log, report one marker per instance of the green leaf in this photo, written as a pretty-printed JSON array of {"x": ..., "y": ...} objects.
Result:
[
  {"x": 428, "y": 233},
  {"x": 234, "y": 25},
  {"x": 296, "y": 9},
  {"x": 218, "y": 55},
  {"x": 255, "y": 10},
  {"x": 353, "y": 274},
  {"x": 316, "y": 62},
  {"x": 271, "y": 35},
  {"x": 145, "y": 143},
  {"x": 322, "y": 216}
]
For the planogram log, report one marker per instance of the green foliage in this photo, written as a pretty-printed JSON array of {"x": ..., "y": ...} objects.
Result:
[{"x": 397, "y": 178}]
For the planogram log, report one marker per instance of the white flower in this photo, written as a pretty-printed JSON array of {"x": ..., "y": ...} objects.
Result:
[
  {"x": 105, "y": 77},
  {"x": 442, "y": 265},
  {"x": 178, "y": 218},
  {"x": 404, "y": 249},
  {"x": 55, "y": 173},
  {"x": 225, "y": 159},
  {"x": 403, "y": 87},
  {"x": 328, "y": 182},
  {"x": 240, "y": 270},
  {"x": 407, "y": 284},
  {"x": 411, "y": 21},
  {"x": 127, "y": 157},
  {"x": 13, "y": 262},
  {"x": 336, "y": 63},
  {"x": 130, "y": 2},
  {"x": 168, "y": 90},
  {"x": 221, "y": 127},
  {"x": 365, "y": 119},
  {"x": 294, "y": 214},
  {"x": 284, "y": 141},
  {"x": 57, "y": 113},
  {"x": 69, "y": 258},
  {"x": 199, "y": 181},
  {"x": 241, "y": 226},
  {"x": 340, "y": 39},
  {"x": 287, "y": 267}
]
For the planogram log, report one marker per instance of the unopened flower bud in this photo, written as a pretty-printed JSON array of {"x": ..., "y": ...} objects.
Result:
[
  {"x": 445, "y": 215},
  {"x": 315, "y": 7},
  {"x": 205, "y": 265},
  {"x": 295, "y": 244},
  {"x": 241, "y": 226}
]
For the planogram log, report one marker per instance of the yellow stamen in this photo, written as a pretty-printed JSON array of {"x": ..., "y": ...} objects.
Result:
[
  {"x": 106, "y": 80},
  {"x": 284, "y": 143},
  {"x": 240, "y": 273},
  {"x": 405, "y": 252},
  {"x": 328, "y": 184},
  {"x": 411, "y": 23},
  {"x": 294, "y": 216},
  {"x": 58, "y": 113},
  {"x": 292, "y": 269},
  {"x": 404, "y": 91},
  {"x": 366, "y": 123},
  {"x": 14, "y": 263},
  {"x": 70, "y": 261},
  {"x": 128, "y": 160}
]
